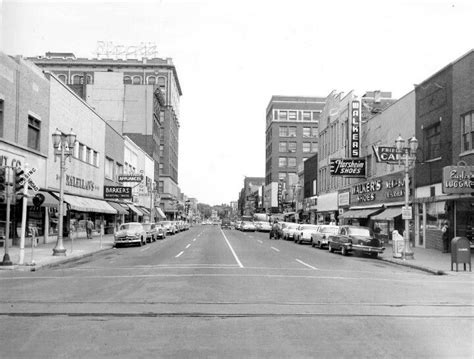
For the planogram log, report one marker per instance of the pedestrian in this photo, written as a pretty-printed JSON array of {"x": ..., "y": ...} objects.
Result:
[
  {"x": 444, "y": 229},
  {"x": 89, "y": 226}
]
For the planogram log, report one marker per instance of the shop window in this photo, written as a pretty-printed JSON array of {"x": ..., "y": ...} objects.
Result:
[{"x": 34, "y": 130}]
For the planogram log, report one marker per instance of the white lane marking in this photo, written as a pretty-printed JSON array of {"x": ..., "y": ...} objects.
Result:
[
  {"x": 275, "y": 249},
  {"x": 259, "y": 241},
  {"x": 144, "y": 249},
  {"x": 194, "y": 240},
  {"x": 189, "y": 245},
  {"x": 306, "y": 264},
  {"x": 180, "y": 253},
  {"x": 232, "y": 250}
]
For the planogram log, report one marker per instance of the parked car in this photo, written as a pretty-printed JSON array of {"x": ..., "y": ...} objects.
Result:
[
  {"x": 151, "y": 232},
  {"x": 238, "y": 225},
  {"x": 225, "y": 224},
  {"x": 161, "y": 230},
  {"x": 169, "y": 226},
  {"x": 289, "y": 231},
  {"x": 130, "y": 233},
  {"x": 320, "y": 238},
  {"x": 355, "y": 239},
  {"x": 264, "y": 226},
  {"x": 304, "y": 232},
  {"x": 248, "y": 226}
]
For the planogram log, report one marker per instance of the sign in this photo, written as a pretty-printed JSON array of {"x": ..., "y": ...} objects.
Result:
[
  {"x": 130, "y": 178},
  {"x": 385, "y": 154},
  {"x": 347, "y": 167},
  {"x": 26, "y": 176},
  {"x": 117, "y": 192},
  {"x": 355, "y": 129},
  {"x": 458, "y": 179},
  {"x": 406, "y": 212},
  {"x": 343, "y": 199}
]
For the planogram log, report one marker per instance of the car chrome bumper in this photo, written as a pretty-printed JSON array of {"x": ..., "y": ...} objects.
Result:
[{"x": 368, "y": 249}]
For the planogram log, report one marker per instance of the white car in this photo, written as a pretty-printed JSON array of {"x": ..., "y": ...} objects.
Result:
[
  {"x": 130, "y": 233},
  {"x": 248, "y": 226},
  {"x": 264, "y": 226},
  {"x": 289, "y": 230},
  {"x": 320, "y": 237},
  {"x": 304, "y": 233}
]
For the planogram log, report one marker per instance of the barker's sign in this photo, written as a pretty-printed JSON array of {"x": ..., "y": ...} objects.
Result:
[
  {"x": 117, "y": 192},
  {"x": 347, "y": 167},
  {"x": 458, "y": 179}
]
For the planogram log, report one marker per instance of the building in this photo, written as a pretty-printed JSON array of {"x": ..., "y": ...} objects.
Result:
[
  {"x": 445, "y": 131},
  {"x": 249, "y": 195},
  {"x": 139, "y": 98},
  {"x": 292, "y": 130},
  {"x": 310, "y": 188}
]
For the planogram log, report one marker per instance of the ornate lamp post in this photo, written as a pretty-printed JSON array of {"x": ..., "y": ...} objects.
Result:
[
  {"x": 63, "y": 147},
  {"x": 408, "y": 154}
]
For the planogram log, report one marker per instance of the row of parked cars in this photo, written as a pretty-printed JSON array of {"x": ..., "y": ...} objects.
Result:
[
  {"x": 252, "y": 226},
  {"x": 143, "y": 233},
  {"x": 344, "y": 239}
]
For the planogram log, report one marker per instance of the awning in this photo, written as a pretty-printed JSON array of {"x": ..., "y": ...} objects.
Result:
[
  {"x": 359, "y": 213},
  {"x": 388, "y": 214},
  {"x": 83, "y": 204},
  {"x": 159, "y": 213},
  {"x": 145, "y": 211},
  {"x": 49, "y": 200},
  {"x": 135, "y": 209},
  {"x": 118, "y": 207}
]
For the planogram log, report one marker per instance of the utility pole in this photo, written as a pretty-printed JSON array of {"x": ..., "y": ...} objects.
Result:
[{"x": 6, "y": 256}]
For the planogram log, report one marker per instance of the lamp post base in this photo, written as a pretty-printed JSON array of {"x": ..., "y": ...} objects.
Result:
[
  {"x": 6, "y": 260},
  {"x": 59, "y": 251}
]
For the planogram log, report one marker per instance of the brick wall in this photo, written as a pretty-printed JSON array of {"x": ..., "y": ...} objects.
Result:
[{"x": 434, "y": 239}]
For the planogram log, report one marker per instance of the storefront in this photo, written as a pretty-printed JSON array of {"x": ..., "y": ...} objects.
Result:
[
  {"x": 377, "y": 204},
  {"x": 327, "y": 210}
]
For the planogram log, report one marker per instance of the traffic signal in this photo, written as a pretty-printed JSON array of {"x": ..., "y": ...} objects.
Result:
[
  {"x": 3, "y": 185},
  {"x": 18, "y": 182},
  {"x": 38, "y": 200}
]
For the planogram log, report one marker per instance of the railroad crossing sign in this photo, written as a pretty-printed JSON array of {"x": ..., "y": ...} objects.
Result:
[{"x": 27, "y": 178}]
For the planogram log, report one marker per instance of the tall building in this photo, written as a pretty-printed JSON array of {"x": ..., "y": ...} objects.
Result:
[
  {"x": 139, "y": 98},
  {"x": 292, "y": 130}
]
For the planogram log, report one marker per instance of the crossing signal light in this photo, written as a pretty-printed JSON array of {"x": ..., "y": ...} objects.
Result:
[
  {"x": 18, "y": 183},
  {"x": 38, "y": 200},
  {"x": 3, "y": 185}
]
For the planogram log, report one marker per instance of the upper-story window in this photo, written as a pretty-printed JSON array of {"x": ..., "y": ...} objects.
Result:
[
  {"x": 292, "y": 146},
  {"x": 162, "y": 83},
  {"x": 433, "y": 141},
  {"x": 306, "y": 147},
  {"x": 77, "y": 79},
  {"x": 292, "y": 131},
  {"x": 282, "y": 147},
  {"x": 283, "y": 116},
  {"x": 127, "y": 80},
  {"x": 282, "y": 162},
  {"x": 306, "y": 131},
  {"x": 137, "y": 80},
  {"x": 109, "y": 168},
  {"x": 306, "y": 116},
  {"x": 467, "y": 128},
  {"x": 151, "y": 80},
  {"x": 1, "y": 117},
  {"x": 314, "y": 132},
  {"x": 34, "y": 131},
  {"x": 283, "y": 131},
  {"x": 62, "y": 78},
  {"x": 292, "y": 115}
]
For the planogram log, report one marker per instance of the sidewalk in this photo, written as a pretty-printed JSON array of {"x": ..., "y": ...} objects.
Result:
[
  {"x": 428, "y": 260},
  {"x": 42, "y": 255}
]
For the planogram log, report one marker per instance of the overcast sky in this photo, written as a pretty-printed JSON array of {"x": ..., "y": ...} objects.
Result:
[{"x": 232, "y": 56}]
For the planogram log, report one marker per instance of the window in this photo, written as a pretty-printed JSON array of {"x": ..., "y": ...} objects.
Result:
[
  {"x": 1, "y": 117},
  {"x": 433, "y": 141},
  {"x": 109, "y": 168},
  {"x": 160, "y": 168},
  {"x": 275, "y": 114},
  {"x": 292, "y": 116},
  {"x": 82, "y": 150},
  {"x": 282, "y": 176},
  {"x": 314, "y": 147},
  {"x": 151, "y": 80},
  {"x": 162, "y": 84},
  {"x": 127, "y": 80},
  {"x": 95, "y": 158},
  {"x": 119, "y": 169},
  {"x": 314, "y": 188},
  {"x": 292, "y": 146},
  {"x": 292, "y": 162},
  {"x": 62, "y": 78},
  {"x": 137, "y": 80},
  {"x": 88, "y": 155},
  {"x": 282, "y": 162},
  {"x": 306, "y": 147},
  {"x": 161, "y": 186},
  {"x": 282, "y": 147},
  {"x": 306, "y": 131},
  {"x": 314, "y": 132},
  {"x": 316, "y": 116},
  {"x": 77, "y": 80},
  {"x": 292, "y": 131},
  {"x": 162, "y": 148},
  {"x": 34, "y": 127},
  {"x": 283, "y": 115},
  {"x": 467, "y": 127},
  {"x": 306, "y": 116},
  {"x": 283, "y": 131}
]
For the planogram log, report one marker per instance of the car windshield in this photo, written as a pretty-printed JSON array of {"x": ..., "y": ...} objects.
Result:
[
  {"x": 332, "y": 230},
  {"x": 146, "y": 226},
  {"x": 130, "y": 226},
  {"x": 356, "y": 231}
]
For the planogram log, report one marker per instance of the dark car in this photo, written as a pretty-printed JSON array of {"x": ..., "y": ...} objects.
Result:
[
  {"x": 355, "y": 239},
  {"x": 226, "y": 224}
]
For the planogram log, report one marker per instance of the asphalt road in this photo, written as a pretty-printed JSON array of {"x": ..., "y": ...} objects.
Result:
[{"x": 208, "y": 293}]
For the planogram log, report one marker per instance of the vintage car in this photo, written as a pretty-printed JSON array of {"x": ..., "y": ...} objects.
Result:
[
  {"x": 321, "y": 236},
  {"x": 130, "y": 233},
  {"x": 248, "y": 226},
  {"x": 161, "y": 230},
  {"x": 289, "y": 229},
  {"x": 304, "y": 232},
  {"x": 263, "y": 226},
  {"x": 355, "y": 239},
  {"x": 170, "y": 227},
  {"x": 151, "y": 232},
  {"x": 226, "y": 224}
]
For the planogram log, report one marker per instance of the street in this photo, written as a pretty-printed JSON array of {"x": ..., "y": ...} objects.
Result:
[{"x": 213, "y": 293}]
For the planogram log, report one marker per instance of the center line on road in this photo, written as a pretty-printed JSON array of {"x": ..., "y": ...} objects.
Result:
[
  {"x": 275, "y": 249},
  {"x": 194, "y": 240},
  {"x": 189, "y": 245},
  {"x": 145, "y": 249},
  {"x": 179, "y": 254},
  {"x": 306, "y": 264},
  {"x": 232, "y": 250},
  {"x": 260, "y": 241}
]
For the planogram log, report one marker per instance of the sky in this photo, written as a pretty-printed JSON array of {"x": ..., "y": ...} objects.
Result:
[{"x": 232, "y": 56}]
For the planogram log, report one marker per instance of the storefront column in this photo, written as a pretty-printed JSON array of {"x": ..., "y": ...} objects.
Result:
[{"x": 46, "y": 226}]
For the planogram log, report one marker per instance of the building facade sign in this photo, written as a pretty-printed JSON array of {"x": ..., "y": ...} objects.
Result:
[
  {"x": 355, "y": 129},
  {"x": 344, "y": 199},
  {"x": 458, "y": 179},
  {"x": 347, "y": 167},
  {"x": 385, "y": 154},
  {"x": 117, "y": 192},
  {"x": 386, "y": 189}
]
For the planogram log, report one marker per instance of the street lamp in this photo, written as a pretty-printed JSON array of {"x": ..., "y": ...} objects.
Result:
[
  {"x": 63, "y": 147},
  {"x": 409, "y": 155}
]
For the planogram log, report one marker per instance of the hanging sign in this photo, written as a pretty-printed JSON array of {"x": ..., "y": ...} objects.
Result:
[
  {"x": 117, "y": 192},
  {"x": 458, "y": 179},
  {"x": 130, "y": 178},
  {"x": 348, "y": 167},
  {"x": 385, "y": 154},
  {"x": 355, "y": 129}
]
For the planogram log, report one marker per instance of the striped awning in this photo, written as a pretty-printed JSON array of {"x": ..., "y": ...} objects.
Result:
[
  {"x": 135, "y": 209},
  {"x": 83, "y": 204},
  {"x": 359, "y": 213},
  {"x": 118, "y": 207}
]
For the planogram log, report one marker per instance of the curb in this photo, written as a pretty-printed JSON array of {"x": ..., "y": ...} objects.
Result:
[{"x": 414, "y": 266}]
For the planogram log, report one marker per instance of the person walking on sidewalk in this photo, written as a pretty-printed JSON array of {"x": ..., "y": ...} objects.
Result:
[
  {"x": 89, "y": 226},
  {"x": 445, "y": 229}
]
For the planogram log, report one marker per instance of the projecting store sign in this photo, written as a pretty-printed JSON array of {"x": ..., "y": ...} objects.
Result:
[
  {"x": 130, "y": 178},
  {"x": 355, "y": 129},
  {"x": 385, "y": 154},
  {"x": 347, "y": 167},
  {"x": 117, "y": 192},
  {"x": 458, "y": 179}
]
